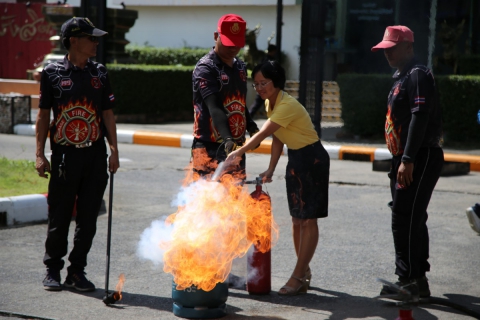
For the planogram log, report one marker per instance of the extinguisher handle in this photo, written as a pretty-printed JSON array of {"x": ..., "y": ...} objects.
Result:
[{"x": 258, "y": 181}]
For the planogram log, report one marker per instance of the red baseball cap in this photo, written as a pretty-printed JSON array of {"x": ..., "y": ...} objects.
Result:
[
  {"x": 394, "y": 35},
  {"x": 232, "y": 29}
]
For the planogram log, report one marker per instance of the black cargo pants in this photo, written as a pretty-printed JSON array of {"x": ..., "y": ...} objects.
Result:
[
  {"x": 84, "y": 179},
  {"x": 409, "y": 212}
]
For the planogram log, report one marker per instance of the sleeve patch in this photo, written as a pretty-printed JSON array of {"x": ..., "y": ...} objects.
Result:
[{"x": 419, "y": 100}]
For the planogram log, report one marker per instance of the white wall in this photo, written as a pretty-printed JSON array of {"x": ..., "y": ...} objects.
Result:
[
  {"x": 178, "y": 23},
  {"x": 177, "y": 27},
  {"x": 76, "y": 3},
  {"x": 203, "y": 2}
]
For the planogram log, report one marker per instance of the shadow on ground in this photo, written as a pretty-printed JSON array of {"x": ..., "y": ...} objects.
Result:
[{"x": 335, "y": 305}]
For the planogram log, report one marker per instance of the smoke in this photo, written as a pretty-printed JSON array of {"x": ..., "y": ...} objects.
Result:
[
  {"x": 150, "y": 240},
  {"x": 253, "y": 275},
  {"x": 215, "y": 223}
]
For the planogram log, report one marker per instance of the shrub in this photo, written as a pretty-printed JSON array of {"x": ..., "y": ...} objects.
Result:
[
  {"x": 161, "y": 93},
  {"x": 364, "y": 102},
  {"x": 469, "y": 64},
  {"x": 166, "y": 56},
  {"x": 459, "y": 97},
  {"x": 364, "y": 105}
]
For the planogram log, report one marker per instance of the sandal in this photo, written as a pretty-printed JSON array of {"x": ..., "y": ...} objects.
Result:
[
  {"x": 290, "y": 291},
  {"x": 308, "y": 277}
]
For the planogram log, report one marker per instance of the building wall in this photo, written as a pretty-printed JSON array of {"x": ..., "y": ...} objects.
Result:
[
  {"x": 191, "y": 23},
  {"x": 193, "y": 26}
]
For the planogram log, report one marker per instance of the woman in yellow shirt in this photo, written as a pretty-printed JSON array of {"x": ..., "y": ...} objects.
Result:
[{"x": 307, "y": 172}]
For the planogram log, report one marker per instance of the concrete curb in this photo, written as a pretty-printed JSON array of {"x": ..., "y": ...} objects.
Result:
[
  {"x": 167, "y": 139},
  {"x": 32, "y": 208},
  {"x": 23, "y": 209}
]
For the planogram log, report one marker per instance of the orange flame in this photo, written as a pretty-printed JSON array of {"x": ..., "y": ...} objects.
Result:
[
  {"x": 237, "y": 97},
  {"x": 216, "y": 223},
  {"x": 119, "y": 287}
]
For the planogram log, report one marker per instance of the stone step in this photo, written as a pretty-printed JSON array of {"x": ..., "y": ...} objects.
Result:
[
  {"x": 331, "y": 105},
  {"x": 326, "y": 92},
  {"x": 335, "y": 109},
  {"x": 330, "y": 118},
  {"x": 330, "y": 85}
]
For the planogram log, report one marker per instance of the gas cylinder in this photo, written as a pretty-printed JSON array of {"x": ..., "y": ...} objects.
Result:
[{"x": 259, "y": 266}]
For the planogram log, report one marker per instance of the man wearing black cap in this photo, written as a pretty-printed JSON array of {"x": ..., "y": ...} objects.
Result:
[
  {"x": 79, "y": 93},
  {"x": 219, "y": 98},
  {"x": 413, "y": 130}
]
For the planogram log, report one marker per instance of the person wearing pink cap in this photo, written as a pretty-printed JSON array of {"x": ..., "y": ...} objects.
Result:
[
  {"x": 413, "y": 133},
  {"x": 221, "y": 117}
]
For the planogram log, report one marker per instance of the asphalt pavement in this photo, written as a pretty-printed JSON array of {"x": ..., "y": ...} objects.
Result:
[{"x": 355, "y": 246}]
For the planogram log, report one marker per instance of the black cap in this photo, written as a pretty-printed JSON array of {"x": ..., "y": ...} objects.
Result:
[{"x": 78, "y": 26}]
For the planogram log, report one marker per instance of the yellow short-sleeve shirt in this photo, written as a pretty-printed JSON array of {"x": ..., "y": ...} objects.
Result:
[{"x": 297, "y": 130}]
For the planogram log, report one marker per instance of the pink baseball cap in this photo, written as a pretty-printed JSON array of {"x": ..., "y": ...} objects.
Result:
[
  {"x": 232, "y": 29},
  {"x": 394, "y": 35}
]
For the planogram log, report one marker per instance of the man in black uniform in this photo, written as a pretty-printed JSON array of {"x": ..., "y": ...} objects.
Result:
[
  {"x": 78, "y": 90},
  {"x": 413, "y": 130},
  {"x": 219, "y": 98}
]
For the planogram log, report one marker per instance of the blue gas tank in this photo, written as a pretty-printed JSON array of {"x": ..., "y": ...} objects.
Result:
[{"x": 194, "y": 303}]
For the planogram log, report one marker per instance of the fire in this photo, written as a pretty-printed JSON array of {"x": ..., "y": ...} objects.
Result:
[
  {"x": 119, "y": 287},
  {"x": 237, "y": 97},
  {"x": 83, "y": 103},
  {"x": 215, "y": 223}
]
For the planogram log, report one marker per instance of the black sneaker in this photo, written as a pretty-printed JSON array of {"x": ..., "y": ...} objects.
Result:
[
  {"x": 402, "y": 290},
  {"x": 52, "y": 280},
  {"x": 423, "y": 287},
  {"x": 78, "y": 281}
]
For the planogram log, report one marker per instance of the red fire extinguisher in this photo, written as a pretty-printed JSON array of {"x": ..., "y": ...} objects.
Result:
[
  {"x": 405, "y": 314},
  {"x": 259, "y": 267}
]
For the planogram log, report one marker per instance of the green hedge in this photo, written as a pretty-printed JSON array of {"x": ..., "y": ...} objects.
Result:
[
  {"x": 166, "y": 56},
  {"x": 160, "y": 93},
  {"x": 364, "y": 105},
  {"x": 460, "y": 99},
  {"x": 469, "y": 64},
  {"x": 364, "y": 102}
]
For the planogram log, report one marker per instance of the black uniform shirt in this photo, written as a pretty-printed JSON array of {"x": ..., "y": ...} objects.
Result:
[
  {"x": 413, "y": 91},
  {"x": 78, "y": 98},
  {"x": 212, "y": 76}
]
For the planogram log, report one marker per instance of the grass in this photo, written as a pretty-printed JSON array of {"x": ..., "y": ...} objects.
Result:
[{"x": 19, "y": 177}]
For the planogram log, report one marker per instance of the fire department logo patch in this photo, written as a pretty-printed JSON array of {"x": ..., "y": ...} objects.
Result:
[
  {"x": 243, "y": 76},
  {"x": 236, "y": 120},
  {"x": 224, "y": 77},
  {"x": 235, "y": 28},
  {"x": 76, "y": 125},
  {"x": 66, "y": 83},
  {"x": 96, "y": 83},
  {"x": 77, "y": 131}
]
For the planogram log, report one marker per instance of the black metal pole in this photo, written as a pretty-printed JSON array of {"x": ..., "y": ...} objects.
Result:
[
  {"x": 302, "y": 92},
  {"x": 84, "y": 8},
  {"x": 278, "y": 41},
  {"x": 12, "y": 110},
  {"x": 109, "y": 233},
  {"x": 29, "y": 101},
  {"x": 320, "y": 66},
  {"x": 102, "y": 24}
]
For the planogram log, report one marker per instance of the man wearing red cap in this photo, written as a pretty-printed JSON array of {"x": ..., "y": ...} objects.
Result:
[
  {"x": 219, "y": 98},
  {"x": 413, "y": 131}
]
